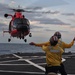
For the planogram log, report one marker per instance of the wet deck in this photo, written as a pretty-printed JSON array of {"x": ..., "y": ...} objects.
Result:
[{"x": 31, "y": 64}]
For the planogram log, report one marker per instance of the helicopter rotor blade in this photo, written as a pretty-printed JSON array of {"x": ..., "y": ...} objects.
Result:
[
  {"x": 43, "y": 12},
  {"x": 18, "y": 10},
  {"x": 33, "y": 8},
  {"x": 27, "y": 9}
]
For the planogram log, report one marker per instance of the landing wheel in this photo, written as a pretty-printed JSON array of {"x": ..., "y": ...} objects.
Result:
[
  {"x": 22, "y": 37},
  {"x": 25, "y": 40},
  {"x": 30, "y": 35},
  {"x": 9, "y": 40}
]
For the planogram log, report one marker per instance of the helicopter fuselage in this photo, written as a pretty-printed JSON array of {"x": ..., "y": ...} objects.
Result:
[{"x": 19, "y": 27}]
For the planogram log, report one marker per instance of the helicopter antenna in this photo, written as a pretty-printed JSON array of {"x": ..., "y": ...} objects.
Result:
[{"x": 19, "y": 7}]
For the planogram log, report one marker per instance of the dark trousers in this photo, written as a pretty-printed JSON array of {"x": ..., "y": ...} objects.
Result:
[
  {"x": 55, "y": 69},
  {"x": 62, "y": 70}
]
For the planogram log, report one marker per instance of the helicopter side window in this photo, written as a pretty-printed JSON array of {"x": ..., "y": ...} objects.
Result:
[{"x": 16, "y": 21}]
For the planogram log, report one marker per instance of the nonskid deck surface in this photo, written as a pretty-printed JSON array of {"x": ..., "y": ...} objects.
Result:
[{"x": 31, "y": 64}]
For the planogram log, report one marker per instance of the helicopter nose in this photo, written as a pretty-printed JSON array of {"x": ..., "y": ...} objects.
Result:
[{"x": 22, "y": 28}]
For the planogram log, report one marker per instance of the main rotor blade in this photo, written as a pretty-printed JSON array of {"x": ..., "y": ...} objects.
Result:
[
  {"x": 43, "y": 12},
  {"x": 18, "y": 10},
  {"x": 33, "y": 8}
]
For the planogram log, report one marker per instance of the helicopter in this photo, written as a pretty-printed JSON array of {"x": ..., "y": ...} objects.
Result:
[{"x": 19, "y": 26}]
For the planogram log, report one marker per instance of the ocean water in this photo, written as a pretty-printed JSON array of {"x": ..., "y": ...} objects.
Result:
[{"x": 9, "y": 48}]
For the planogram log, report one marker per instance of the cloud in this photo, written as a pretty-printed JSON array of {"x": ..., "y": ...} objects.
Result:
[
  {"x": 68, "y": 14},
  {"x": 3, "y": 6},
  {"x": 32, "y": 16},
  {"x": 49, "y": 30},
  {"x": 33, "y": 27},
  {"x": 2, "y": 1},
  {"x": 12, "y": 3},
  {"x": 64, "y": 31},
  {"x": 73, "y": 29},
  {"x": 3, "y": 27},
  {"x": 55, "y": 30},
  {"x": 50, "y": 21},
  {"x": 48, "y": 3},
  {"x": 41, "y": 19}
]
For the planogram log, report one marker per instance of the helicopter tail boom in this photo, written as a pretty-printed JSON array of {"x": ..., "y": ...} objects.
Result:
[{"x": 6, "y": 32}]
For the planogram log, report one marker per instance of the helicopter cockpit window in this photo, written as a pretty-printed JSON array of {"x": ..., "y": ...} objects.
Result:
[{"x": 20, "y": 21}]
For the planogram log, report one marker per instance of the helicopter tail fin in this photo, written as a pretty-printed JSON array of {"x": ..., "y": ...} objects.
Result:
[{"x": 5, "y": 31}]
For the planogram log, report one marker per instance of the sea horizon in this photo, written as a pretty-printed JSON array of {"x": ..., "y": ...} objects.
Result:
[{"x": 10, "y": 48}]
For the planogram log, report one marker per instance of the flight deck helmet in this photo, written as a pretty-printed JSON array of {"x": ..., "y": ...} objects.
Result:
[
  {"x": 58, "y": 34},
  {"x": 53, "y": 40}
]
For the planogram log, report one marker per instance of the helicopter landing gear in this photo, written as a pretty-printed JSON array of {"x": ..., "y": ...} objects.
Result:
[
  {"x": 9, "y": 40},
  {"x": 22, "y": 37},
  {"x": 30, "y": 35},
  {"x": 25, "y": 40}
]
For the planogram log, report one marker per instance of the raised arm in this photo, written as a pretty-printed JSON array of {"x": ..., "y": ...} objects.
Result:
[
  {"x": 40, "y": 44},
  {"x": 65, "y": 45}
]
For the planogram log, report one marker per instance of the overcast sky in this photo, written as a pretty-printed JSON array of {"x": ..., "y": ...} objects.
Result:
[{"x": 59, "y": 16}]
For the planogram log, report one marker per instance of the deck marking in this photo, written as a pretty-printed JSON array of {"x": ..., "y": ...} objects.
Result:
[
  {"x": 31, "y": 63},
  {"x": 40, "y": 67},
  {"x": 36, "y": 65},
  {"x": 22, "y": 72},
  {"x": 17, "y": 56},
  {"x": 15, "y": 64},
  {"x": 63, "y": 59},
  {"x": 8, "y": 61},
  {"x": 21, "y": 64}
]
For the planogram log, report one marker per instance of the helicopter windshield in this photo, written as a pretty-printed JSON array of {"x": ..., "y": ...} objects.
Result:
[{"x": 20, "y": 21}]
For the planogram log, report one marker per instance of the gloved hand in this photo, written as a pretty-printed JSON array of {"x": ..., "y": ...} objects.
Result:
[
  {"x": 32, "y": 43},
  {"x": 74, "y": 39}
]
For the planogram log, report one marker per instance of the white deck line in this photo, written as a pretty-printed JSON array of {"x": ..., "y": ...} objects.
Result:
[
  {"x": 8, "y": 61},
  {"x": 40, "y": 67},
  {"x": 22, "y": 72},
  {"x": 17, "y": 56},
  {"x": 22, "y": 64},
  {"x": 15, "y": 64}
]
